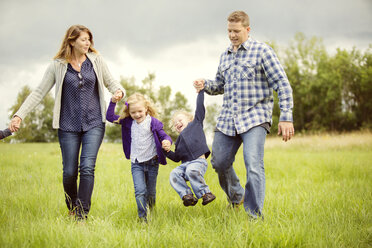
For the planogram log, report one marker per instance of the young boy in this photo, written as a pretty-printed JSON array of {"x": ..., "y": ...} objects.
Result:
[
  {"x": 192, "y": 150},
  {"x": 5, "y": 133}
]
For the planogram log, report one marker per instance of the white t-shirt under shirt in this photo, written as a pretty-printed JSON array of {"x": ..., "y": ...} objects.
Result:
[{"x": 143, "y": 146}]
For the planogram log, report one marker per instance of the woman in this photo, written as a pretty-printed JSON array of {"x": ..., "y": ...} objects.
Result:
[{"x": 79, "y": 75}]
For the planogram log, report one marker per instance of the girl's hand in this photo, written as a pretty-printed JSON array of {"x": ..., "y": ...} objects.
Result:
[
  {"x": 118, "y": 95},
  {"x": 166, "y": 144}
]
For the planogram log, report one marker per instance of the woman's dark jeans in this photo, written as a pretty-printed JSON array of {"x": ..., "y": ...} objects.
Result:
[{"x": 70, "y": 143}]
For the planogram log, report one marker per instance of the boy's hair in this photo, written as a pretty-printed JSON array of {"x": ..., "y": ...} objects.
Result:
[
  {"x": 239, "y": 16},
  {"x": 178, "y": 112},
  {"x": 135, "y": 98}
]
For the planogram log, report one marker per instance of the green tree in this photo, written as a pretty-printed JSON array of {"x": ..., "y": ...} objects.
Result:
[
  {"x": 37, "y": 125},
  {"x": 354, "y": 71},
  {"x": 331, "y": 93},
  {"x": 300, "y": 63},
  {"x": 212, "y": 112}
]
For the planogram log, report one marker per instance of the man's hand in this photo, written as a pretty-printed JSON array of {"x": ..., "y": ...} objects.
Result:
[
  {"x": 286, "y": 129},
  {"x": 199, "y": 84},
  {"x": 15, "y": 124},
  {"x": 166, "y": 145}
]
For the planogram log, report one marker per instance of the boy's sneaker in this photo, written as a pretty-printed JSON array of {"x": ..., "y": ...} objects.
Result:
[
  {"x": 189, "y": 200},
  {"x": 208, "y": 197}
]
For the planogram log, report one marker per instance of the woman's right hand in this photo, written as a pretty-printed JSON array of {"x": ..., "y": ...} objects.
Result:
[{"x": 15, "y": 123}]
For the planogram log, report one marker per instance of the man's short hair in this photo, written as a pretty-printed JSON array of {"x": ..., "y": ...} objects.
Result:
[{"x": 239, "y": 16}]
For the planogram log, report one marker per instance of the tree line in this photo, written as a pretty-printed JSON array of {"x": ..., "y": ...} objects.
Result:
[{"x": 332, "y": 93}]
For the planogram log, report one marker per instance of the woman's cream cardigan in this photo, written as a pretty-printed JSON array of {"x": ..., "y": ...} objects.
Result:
[{"x": 55, "y": 75}]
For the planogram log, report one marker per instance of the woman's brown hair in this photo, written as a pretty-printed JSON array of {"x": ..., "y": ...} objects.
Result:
[{"x": 65, "y": 52}]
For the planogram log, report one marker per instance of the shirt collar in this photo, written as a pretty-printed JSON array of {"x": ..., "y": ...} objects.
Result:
[
  {"x": 245, "y": 45},
  {"x": 90, "y": 55},
  {"x": 146, "y": 122}
]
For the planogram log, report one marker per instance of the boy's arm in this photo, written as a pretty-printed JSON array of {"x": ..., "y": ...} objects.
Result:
[
  {"x": 172, "y": 156},
  {"x": 200, "y": 109},
  {"x": 110, "y": 114}
]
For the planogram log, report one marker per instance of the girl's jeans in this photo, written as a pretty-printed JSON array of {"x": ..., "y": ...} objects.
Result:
[
  {"x": 192, "y": 171},
  {"x": 144, "y": 179},
  {"x": 70, "y": 143}
]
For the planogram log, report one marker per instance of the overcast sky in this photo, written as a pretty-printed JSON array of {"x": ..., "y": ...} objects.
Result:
[{"x": 177, "y": 40}]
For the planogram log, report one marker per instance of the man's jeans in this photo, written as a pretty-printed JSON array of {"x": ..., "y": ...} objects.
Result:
[
  {"x": 224, "y": 149},
  {"x": 144, "y": 180},
  {"x": 192, "y": 171},
  {"x": 70, "y": 143}
]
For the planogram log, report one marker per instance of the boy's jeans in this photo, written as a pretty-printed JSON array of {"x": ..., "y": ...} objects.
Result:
[
  {"x": 144, "y": 179},
  {"x": 224, "y": 149},
  {"x": 192, "y": 171}
]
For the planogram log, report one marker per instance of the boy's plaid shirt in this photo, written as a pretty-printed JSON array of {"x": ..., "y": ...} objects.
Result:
[{"x": 247, "y": 79}]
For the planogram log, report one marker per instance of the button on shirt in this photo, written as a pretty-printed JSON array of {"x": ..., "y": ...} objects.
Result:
[
  {"x": 80, "y": 107},
  {"x": 247, "y": 78},
  {"x": 143, "y": 146}
]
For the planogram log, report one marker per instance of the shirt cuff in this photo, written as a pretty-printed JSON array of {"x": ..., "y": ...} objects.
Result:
[{"x": 286, "y": 116}]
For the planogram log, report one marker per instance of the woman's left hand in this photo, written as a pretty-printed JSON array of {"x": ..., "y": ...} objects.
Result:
[{"x": 118, "y": 95}]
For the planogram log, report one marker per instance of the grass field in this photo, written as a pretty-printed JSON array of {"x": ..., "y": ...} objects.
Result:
[{"x": 318, "y": 194}]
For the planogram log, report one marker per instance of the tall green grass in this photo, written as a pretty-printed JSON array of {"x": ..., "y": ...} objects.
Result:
[{"x": 318, "y": 194}]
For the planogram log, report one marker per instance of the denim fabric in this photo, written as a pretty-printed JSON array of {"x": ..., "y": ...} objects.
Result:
[
  {"x": 144, "y": 179},
  {"x": 70, "y": 143},
  {"x": 224, "y": 149},
  {"x": 192, "y": 171}
]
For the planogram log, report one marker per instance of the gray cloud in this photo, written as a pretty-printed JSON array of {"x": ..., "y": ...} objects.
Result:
[{"x": 31, "y": 31}]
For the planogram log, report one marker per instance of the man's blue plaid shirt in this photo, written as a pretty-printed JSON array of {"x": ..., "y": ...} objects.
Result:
[{"x": 247, "y": 79}]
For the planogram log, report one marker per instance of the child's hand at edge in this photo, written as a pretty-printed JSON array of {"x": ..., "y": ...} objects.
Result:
[{"x": 166, "y": 145}]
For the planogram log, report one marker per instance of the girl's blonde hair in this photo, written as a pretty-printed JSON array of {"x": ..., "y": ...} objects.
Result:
[
  {"x": 136, "y": 98},
  {"x": 179, "y": 112},
  {"x": 65, "y": 52}
]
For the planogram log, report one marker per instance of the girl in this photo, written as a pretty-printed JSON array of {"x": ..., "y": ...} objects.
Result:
[{"x": 143, "y": 137}]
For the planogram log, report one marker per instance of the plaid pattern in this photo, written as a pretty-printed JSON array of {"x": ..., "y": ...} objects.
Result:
[{"x": 247, "y": 79}]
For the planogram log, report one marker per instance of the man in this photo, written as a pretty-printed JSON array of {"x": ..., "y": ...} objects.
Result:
[{"x": 248, "y": 73}]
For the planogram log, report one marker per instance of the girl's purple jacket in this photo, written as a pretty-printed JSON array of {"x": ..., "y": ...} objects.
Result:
[{"x": 126, "y": 124}]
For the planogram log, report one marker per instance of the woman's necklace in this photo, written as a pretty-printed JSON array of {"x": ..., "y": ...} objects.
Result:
[{"x": 78, "y": 62}]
